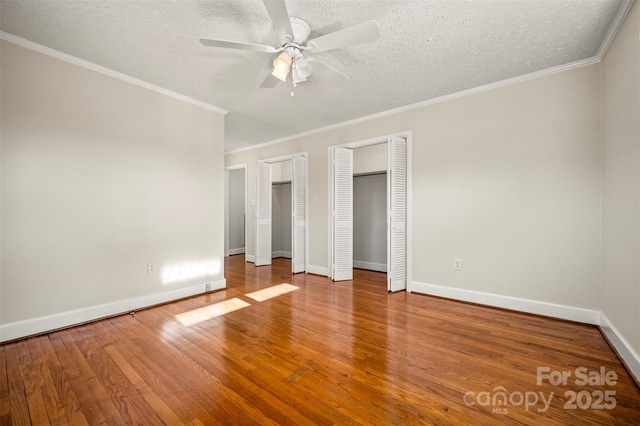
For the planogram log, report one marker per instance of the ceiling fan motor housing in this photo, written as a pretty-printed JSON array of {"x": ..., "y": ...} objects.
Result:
[{"x": 301, "y": 31}]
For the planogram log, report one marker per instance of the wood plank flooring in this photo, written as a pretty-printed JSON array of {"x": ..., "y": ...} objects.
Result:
[{"x": 327, "y": 353}]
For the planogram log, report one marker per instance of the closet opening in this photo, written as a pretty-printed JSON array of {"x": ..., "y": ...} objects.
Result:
[
  {"x": 281, "y": 210},
  {"x": 344, "y": 216},
  {"x": 370, "y": 208}
]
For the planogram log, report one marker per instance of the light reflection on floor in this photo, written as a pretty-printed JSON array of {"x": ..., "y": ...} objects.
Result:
[
  {"x": 214, "y": 310},
  {"x": 270, "y": 292},
  {"x": 196, "y": 316}
]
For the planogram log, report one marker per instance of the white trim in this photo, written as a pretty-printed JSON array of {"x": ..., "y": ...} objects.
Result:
[
  {"x": 440, "y": 99},
  {"x": 625, "y": 351},
  {"x": 318, "y": 270},
  {"x": 614, "y": 28},
  {"x": 370, "y": 266},
  {"x": 281, "y": 253},
  {"x": 106, "y": 71},
  {"x": 236, "y": 166},
  {"x": 236, "y": 251},
  {"x": 250, "y": 258},
  {"x": 409, "y": 137},
  {"x": 226, "y": 213},
  {"x": 588, "y": 316},
  {"x": 20, "y": 329}
]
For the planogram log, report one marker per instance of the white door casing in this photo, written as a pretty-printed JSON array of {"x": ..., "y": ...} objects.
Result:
[
  {"x": 397, "y": 214},
  {"x": 342, "y": 253},
  {"x": 263, "y": 214},
  {"x": 299, "y": 214}
]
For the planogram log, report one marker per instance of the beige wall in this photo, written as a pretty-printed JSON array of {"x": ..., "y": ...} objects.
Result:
[
  {"x": 508, "y": 180},
  {"x": 99, "y": 177},
  {"x": 368, "y": 159},
  {"x": 621, "y": 185}
]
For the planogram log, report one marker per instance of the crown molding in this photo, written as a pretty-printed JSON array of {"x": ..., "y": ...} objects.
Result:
[
  {"x": 613, "y": 30},
  {"x": 106, "y": 71},
  {"x": 519, "y": 79},
  {"x": 625, "y": 7}
]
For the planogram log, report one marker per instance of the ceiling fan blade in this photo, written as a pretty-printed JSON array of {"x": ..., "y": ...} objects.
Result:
[
  {"x": 363, "y": 33},
  {"x": 329, "y": 67},
  {"x": 239, "y": 45},
  {"x": 279, "y": 15}
]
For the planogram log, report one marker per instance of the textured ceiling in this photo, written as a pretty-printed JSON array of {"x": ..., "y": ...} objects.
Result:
[{"x": 427, "y": 49}]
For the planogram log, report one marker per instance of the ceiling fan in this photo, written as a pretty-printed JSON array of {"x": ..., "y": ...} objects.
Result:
[{"x": 293, "y": 35}]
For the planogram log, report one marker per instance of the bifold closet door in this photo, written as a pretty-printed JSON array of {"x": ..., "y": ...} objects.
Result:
[
  {"x": 397, "y": 214},
  {"x": 342, "y": 214},
  {"x": 263, "y": 214},
  {"x": 299, "y": 222}
]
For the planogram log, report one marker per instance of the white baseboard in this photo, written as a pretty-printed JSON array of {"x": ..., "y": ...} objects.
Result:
[
  {"x": 236, "y": 251},
  {"x": 250, "y": 258},
  {"x": 588, "y": 316},
  {"x": 318, "y": 270},
  {"x": 20, "y": 329},
  {"x": 379, "y": 267},
  {"x": 629, "y": 356},
  {"x": 286, "y": 254}
]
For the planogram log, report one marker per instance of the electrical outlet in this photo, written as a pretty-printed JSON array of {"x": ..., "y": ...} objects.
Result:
[
  {"x": 207, "y": 287},
  {"x": 151, "y": 268},
  {"x": 457, "y": 264}
]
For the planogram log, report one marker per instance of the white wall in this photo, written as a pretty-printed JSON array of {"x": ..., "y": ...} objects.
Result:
[
  {"x": 282, "y": 171},
  {"x": 236, "y": 211},
  {"x": 620, "y": 293},
  {"x": 368, "y": 159},
  {"x": 99, "y": 177},
  {"x": 508, "y": 180},
  {"x": 370, "y": 221}
]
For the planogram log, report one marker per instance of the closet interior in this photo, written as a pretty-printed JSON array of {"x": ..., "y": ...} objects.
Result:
[
  {"x": 370, "y": 207},
  {"x": 281, "y": 175}
]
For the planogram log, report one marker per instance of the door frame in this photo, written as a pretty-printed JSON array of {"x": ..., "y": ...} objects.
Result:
[
  {"x": 226, "y": 206},
  {"x": 360, "y": 144},
  {"x": 279, "y": 159}
]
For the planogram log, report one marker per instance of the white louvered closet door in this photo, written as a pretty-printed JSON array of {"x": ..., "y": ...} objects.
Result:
[
  {"x": 342, "y": 214},
  {"x": 397, "y": 206},
  {"x": 263, "y": 214},
  {"x": 299, "y": 222}
]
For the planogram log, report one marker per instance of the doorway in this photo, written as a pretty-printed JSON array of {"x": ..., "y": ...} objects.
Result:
[
  {"x": 235, "y": 216},
  {"x": 299, "y": 213},
  {"x": 369, "y": 218},
  {"x": 281, "y": 209},
  {"x": 398, "y": 244}
]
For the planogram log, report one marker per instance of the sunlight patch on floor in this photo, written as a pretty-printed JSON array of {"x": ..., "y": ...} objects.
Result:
[
  {"x": 196, "y": 316},
  {"x": 270, "y": 292}
]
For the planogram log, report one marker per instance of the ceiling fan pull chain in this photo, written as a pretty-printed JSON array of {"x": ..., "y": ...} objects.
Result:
[{"x": 293, "y": 77}]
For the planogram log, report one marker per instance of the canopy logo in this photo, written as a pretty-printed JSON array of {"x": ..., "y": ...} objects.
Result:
[{"x": 499, "y": 399}]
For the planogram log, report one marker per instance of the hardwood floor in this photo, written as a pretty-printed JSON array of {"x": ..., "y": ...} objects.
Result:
[{"x": 325, "y": 353}]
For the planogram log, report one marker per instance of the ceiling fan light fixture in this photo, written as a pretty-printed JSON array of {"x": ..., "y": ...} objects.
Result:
[
  {"x": 297, "y": 76},
  {"x": 282, "y": 65}
]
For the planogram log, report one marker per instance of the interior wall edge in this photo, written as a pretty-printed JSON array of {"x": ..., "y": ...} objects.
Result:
[
  {"x": 624, "y": 350},
  {"x": 30, "y": 327}
]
